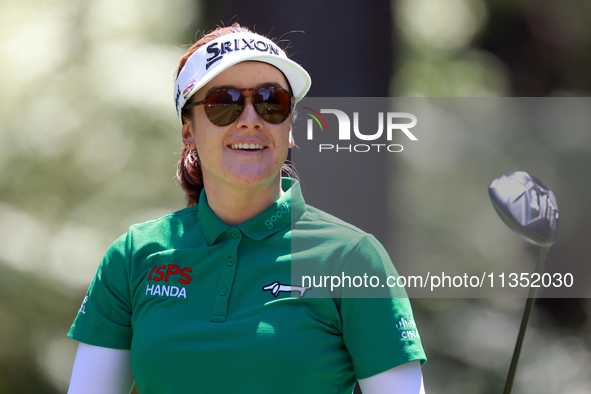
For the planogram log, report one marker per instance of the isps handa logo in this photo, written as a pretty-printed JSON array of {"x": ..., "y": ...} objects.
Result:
[
  {"x": 392, "y": 124},
  {"x": 165, "y": 273}
]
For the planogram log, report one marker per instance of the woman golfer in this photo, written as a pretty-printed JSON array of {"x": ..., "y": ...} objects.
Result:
[{"x": 223, "y": 296}]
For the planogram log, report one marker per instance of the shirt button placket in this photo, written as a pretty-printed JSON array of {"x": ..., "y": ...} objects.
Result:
[{"x": 227, "y": 278}]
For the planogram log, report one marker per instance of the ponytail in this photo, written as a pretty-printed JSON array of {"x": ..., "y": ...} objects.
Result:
[{"x": 189, "y": 174}]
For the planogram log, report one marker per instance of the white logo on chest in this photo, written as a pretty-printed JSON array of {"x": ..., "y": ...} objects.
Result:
[{"x": 277, "y": 287}]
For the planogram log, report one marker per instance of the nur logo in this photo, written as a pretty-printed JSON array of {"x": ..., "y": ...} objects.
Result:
[
  {"x": 391, "y": 122},
  {"x": 315, "y": 116}
]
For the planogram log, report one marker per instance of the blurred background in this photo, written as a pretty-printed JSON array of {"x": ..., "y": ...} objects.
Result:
[{"x": 89, "y": 142}]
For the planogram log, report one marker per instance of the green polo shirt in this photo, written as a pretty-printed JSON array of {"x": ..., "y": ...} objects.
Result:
[{"x": 211, "y": 308}]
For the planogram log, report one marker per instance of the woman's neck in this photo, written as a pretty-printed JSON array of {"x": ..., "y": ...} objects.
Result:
[{"x": 235, "y": 205}]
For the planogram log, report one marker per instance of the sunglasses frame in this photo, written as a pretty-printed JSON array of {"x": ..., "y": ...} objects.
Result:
[{"x": 241, "y": 91}]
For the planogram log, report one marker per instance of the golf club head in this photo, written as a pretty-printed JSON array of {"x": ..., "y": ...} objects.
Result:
[{"x": 527, "y": 206}]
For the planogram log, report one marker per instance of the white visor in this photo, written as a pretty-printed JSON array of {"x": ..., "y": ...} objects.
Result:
[{"x": 225, "y": 51}]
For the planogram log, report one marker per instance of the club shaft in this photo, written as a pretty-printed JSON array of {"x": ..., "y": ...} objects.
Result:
[{"x": 531, "y": 298}]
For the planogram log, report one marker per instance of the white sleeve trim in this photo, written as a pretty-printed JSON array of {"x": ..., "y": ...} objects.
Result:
[
  {"x": 99, "y": 370},
  {"x": 404, "y": 379}
]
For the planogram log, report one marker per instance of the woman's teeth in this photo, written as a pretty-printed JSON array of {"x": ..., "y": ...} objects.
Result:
[{"x": 246, "y": 146}]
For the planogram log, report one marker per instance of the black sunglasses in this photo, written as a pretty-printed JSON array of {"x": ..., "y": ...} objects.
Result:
[{"x": 224, "y": 106}]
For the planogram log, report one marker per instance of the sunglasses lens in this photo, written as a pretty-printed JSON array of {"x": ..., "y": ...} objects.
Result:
[
  {"x": 224, "y": 107},
  {"x": 273, "y": 105}
]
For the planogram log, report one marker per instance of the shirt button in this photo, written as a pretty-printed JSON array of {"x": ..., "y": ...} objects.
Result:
[
  {"x": 235, "y": 234},
  {"x": 230, "y": 261},
  {"x": 224, "y": 291}
]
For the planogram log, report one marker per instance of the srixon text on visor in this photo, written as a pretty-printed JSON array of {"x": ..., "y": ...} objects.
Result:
[
  {"x": 243, "y": 44},
  {"x": 394, "y": 126}
]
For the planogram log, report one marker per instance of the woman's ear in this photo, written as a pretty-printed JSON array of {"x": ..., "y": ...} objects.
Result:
[{"x": 187, "y": 134}]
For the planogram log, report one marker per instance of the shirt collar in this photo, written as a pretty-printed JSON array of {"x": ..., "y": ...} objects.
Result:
[{"x": 280, "y": 214}]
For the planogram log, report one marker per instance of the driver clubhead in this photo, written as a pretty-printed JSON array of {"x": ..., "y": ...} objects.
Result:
[{"x": 527, "y": 206}]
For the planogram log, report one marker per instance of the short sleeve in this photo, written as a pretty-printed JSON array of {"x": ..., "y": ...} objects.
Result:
[
  {"x": 104, "y": 319},
  {"x": 379, "y": 329}
]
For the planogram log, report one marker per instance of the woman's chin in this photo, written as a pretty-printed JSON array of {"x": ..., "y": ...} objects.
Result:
[{"x": 250, "y": 177}]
